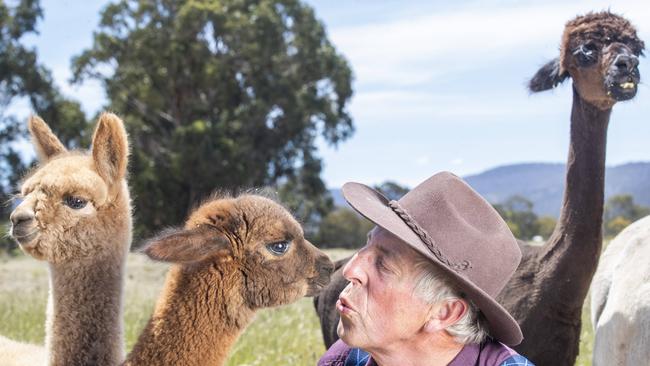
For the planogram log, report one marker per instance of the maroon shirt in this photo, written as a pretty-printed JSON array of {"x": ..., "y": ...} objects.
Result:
[{"x": 490, "y": 353}]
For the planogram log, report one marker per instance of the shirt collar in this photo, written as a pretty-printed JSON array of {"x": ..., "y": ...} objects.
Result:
[{"x": 467, "y": 356}]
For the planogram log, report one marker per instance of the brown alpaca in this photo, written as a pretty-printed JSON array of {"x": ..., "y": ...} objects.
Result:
[
  {"x": 234, "y": 256},
  {"x": 600, "y": 53},
  {"x": 76, "y": 215}
]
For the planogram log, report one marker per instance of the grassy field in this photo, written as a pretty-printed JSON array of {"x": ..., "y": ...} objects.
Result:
[{"x": 288, "y": 335}]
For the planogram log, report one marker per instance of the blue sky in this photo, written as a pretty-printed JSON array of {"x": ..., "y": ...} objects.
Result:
[{"x": 438, "y": 85}]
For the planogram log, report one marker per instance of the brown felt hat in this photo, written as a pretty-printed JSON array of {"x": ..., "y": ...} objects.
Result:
[{"x": 444, "y": 219}]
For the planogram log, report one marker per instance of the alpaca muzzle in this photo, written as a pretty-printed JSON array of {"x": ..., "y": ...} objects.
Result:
[
  {"x": 23, "y": 228},
  {"x": 325, "y": 268},
  {"x": 623, "y": 76}
]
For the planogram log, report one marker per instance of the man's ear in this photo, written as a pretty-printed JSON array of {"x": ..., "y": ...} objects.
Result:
[
  {"x": 445, "y": 314},
  {"x": 110, "y": 148},
  {"x": 547, "y": 77},
  {"x": 45, "y": 142},
  {"x": 187, "y": 245}
]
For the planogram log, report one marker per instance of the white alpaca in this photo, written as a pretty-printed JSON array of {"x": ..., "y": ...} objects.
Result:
[{"x": 620, "y": 300}]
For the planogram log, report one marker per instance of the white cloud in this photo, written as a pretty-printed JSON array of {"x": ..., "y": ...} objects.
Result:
[
  {"x": 457, "y": 161},
  {"x": 423, "y": 160},
  {"x": 403, "y": 107},
  {"x": 416, "y": 50}
]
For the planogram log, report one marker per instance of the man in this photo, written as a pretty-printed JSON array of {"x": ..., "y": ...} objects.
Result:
[{"x": 421, "y": 292}]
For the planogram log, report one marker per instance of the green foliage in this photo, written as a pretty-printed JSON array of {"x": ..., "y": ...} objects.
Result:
[
  {"x": 224, "y": 94},
  {"x": 514, "y": 228},
  {"x": 517, "y": 211},
  {"x": 621, "y": 211},
  {"x": 343, "y": 228},
  {"x": 546, "y": 225},
  {"x": 615, "y": 225},
  {"x": 305, "y": 194},
  {"x": 17, "y": 72},
  {"x": 21, "y": 76},
  {"x": 7, "y": 244},
  {"x": 392, "y": 190}
]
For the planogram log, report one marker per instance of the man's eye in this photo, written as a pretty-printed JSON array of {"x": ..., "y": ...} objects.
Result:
[
  {"x": 379, "y": 262},
  {"x": 74, "y": 202},
  {"x": 278, "y": 248}
]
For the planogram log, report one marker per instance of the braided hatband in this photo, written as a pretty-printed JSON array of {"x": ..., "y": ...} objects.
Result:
[{"x": 424, "y": 236}]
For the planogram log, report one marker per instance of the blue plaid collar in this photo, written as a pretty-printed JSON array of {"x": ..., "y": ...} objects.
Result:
[{"x": 357, "y": 357}]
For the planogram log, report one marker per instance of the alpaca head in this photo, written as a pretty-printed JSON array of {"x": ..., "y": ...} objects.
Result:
[
  {"x": 600, "y": 52},
  {"x": 75, "y": 204},
  {"x": 253, "y": 240}
]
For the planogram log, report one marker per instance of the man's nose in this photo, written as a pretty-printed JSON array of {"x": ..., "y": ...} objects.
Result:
[{"x": 353, "y": 270}]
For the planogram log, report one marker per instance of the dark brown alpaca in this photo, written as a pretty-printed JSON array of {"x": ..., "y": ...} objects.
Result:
[
  {"x": 600, "y": 53},
  {"x": 234, "y": 256}
]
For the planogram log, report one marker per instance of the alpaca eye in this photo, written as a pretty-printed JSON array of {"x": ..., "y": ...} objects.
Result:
[
  {"x": 278, "y": 248},
  {"x": 590, "y": 48},
  {"x": 75, "y": 203},
  {"x": 587, "y": 54}
]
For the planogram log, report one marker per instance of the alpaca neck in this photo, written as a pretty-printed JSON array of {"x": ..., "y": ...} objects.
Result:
[
  {"x": 198, "y": 318},
  {"x": 574, "y": 247},
  {"x": 84, "y": 317}
]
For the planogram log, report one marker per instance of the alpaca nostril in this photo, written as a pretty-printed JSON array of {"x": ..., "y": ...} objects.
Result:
[
  {"x": 325, "y": 267},
  {"x": 626, "y": 63},
  {"x": 622, "y": 65},
  {"x": 18, "y": 218}
]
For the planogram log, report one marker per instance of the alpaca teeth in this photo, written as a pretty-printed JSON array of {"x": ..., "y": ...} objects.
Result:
[{"x": 627, "y": 85}]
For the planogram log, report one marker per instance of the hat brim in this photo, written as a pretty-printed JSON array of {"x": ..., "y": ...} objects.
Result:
[{"x": 374, "y": 206}]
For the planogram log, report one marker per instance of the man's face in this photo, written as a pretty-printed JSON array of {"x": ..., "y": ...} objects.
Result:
[{"x": 378, "y": 307}]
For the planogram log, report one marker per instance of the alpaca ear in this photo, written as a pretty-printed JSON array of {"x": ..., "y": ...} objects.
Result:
[
  {"x": 547, "y": 77},
  {"x": 46, "y": 143},
  {"x": 187, "y": 245},
  {"x": 110, "y": 148}
]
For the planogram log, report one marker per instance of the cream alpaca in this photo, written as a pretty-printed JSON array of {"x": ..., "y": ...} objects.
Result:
[{"x": 76, "y": 215}]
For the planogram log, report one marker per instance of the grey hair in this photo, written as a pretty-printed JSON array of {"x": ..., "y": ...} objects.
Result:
[{"x": 434, "y": 286}]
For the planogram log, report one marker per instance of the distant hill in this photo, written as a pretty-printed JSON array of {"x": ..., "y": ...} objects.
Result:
[{"x": 543, "y": 184}]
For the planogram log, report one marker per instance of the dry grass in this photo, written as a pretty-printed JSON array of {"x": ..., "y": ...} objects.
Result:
[{"x": 287, "y": 335}]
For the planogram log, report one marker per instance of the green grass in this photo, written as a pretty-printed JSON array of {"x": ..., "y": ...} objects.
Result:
[
  {"x": 288, "y": 335},
  {"x": 23, "y": 295},
  {"x": 586, "y": 337}
]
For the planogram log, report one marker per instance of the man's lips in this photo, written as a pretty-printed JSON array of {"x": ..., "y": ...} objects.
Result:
[{"x": 343, "y": 306}]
